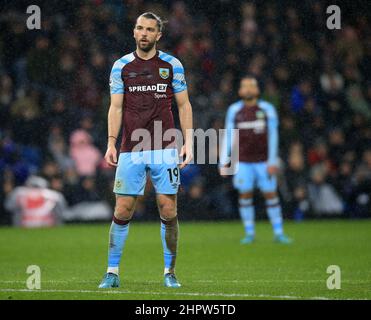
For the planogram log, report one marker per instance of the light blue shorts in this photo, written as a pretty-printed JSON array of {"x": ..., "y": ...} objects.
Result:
[
  {"x": 160, "y": 165},
  {"x": 251, "y": 174}
]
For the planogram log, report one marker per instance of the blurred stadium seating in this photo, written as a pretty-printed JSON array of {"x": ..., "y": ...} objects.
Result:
[{"x": 54, "y": 93}]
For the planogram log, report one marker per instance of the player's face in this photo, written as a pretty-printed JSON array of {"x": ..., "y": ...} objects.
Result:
[
  {"x": 146, "y": 33},
  {"x": 248, "y": 89}
]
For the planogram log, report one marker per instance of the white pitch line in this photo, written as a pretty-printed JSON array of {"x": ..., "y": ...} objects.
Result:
[
  {"x": 192, "y": 294},
  {"x": 199, "y": 281},
  {"x": 278, "y": 280}
]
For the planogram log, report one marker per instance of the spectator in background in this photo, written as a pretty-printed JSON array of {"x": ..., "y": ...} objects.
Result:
[
  {"x": 345, "y": 184},
  {"x": 319, "y": 154},
  {"x": 88, "y": 189},
  {"x": 61, "y": 115},
  {"x": 301, "y": 55},
  {"x": 11, "y": 160},
  {"x": 25, "y": 114},
  {"x": 300, "y": 94},
  {"x": 179, "y": 20},
  {"x": 357, "y": 101},
  {"x": 85, "y": 91},
  {"x": 66, "y": 71},
  {"x": 360, "y": 196},
  {"x": 34, "y": 205},
  {"x": 41, "y": 62},
  {"x": 363, "y": 170},
  {"x": 89, "y": 205},
  {"x": 6, "y": 98},
  {"x": 92, "y": 127},
  {"x": 195, "y": 201},
  {"x": 337, "y": 146},
  {"x": 71, "y": 186},
  {"x": 59, "y": 149},
  {"x": 7, "y": 185},
  {"x": 289, "y": 132},
  {"x": 332, "y": 82},
  {"x": 49, "y": 169},
  {"x": 323, "y": 197},
  {"x": 296, "y": 176},
  {"x": 57, "y": 183},
  {"x": 85, "y": 155}
]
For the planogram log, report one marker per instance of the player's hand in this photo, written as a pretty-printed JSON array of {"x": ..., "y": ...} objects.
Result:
[
  {"x": 188, "y": 153},
  {"x": 221, "y": 169},
  {"x": 272, "y": 170},
  {"x": 111, "y": 156}
]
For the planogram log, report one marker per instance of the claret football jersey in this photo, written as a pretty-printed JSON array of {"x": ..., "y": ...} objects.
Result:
[
  {"x": 258, "y": 133},
  {"x": 148, "y": 87}
]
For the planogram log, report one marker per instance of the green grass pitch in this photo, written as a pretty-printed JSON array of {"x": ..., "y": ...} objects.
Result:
[{"x": 211, "y": 263}]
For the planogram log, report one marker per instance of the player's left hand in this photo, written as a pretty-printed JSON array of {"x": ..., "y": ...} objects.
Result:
[
  {"x": 188, "y": 153},
  {"x": 221, "y": 172},
  {"x": 272, "y": 170}
]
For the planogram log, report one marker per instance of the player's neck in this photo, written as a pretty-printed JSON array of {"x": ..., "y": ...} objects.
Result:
[
  {"x": 250, "y": 103},
  {"x": 146, "y": 55}
]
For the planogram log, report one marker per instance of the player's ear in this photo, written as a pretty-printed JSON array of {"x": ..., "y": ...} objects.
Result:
[
  {"x": 159, "y": 35},
  {"x": 258, "y": 91}
]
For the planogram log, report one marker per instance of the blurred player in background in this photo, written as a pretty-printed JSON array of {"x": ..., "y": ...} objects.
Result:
[
  {"x": 257, "y": 122},
  {"x": 143, "y": 84},
  {"x": 35, "y": 205}
]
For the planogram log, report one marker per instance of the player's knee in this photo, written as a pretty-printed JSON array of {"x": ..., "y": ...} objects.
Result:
[
  {"x": 124, "y": 211},
  {"x": 270, "y": 195},
  {"x": 246, "y": 195},
  {"x": 167, "y": 211}
]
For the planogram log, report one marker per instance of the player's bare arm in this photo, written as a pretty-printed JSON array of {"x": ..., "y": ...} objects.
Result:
[
  {"x": 114, "y": 125},
  {"x": 186, "y": 123},
  {"x": 272, "y": 170}
]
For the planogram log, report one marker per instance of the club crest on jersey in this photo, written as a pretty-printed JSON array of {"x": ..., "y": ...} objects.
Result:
[
  {"x": 118, "y": 184},
  {"x": 259, "y": 114},
  {"x": 164, "y": 73}
]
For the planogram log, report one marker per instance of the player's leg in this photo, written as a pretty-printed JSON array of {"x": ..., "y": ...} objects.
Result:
[
  {"x": 243, "y": 181},
  {"x": 268, "y": 185},
  {"x": 129, "y": 183},
  {"x": 169, "y": 235},
  {"x": 119, "y": 231},
  {"x": 165, "y": 177},
  {"x": 247, "y": 214}
]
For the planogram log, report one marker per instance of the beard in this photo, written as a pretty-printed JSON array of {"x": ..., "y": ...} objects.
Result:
[
  {"x": 250, "y": 97},
  {"x": 146, "y": 47}
]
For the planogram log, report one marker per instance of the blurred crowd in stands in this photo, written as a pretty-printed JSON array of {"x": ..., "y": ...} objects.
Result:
[{"x": 54, "y": 98}]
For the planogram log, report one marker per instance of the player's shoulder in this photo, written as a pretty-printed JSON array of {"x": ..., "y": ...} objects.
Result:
[
  {"x": 124, "y": 60},
  {"x": 267, "y": 106},
  {"x": 174, "y": 61},
  {"x": 235, "y": 107}
]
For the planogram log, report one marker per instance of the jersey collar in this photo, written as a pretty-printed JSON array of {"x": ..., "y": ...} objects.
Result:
[{"x": 154, "y": 57}]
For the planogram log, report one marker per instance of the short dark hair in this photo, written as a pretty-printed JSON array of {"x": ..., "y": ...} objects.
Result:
[
  {"x": 250, "y": 76},
  {"x": 153, "y": 16}
]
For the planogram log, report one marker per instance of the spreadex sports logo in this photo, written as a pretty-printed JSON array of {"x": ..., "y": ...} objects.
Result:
[{"x": 159, "y": 87}]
